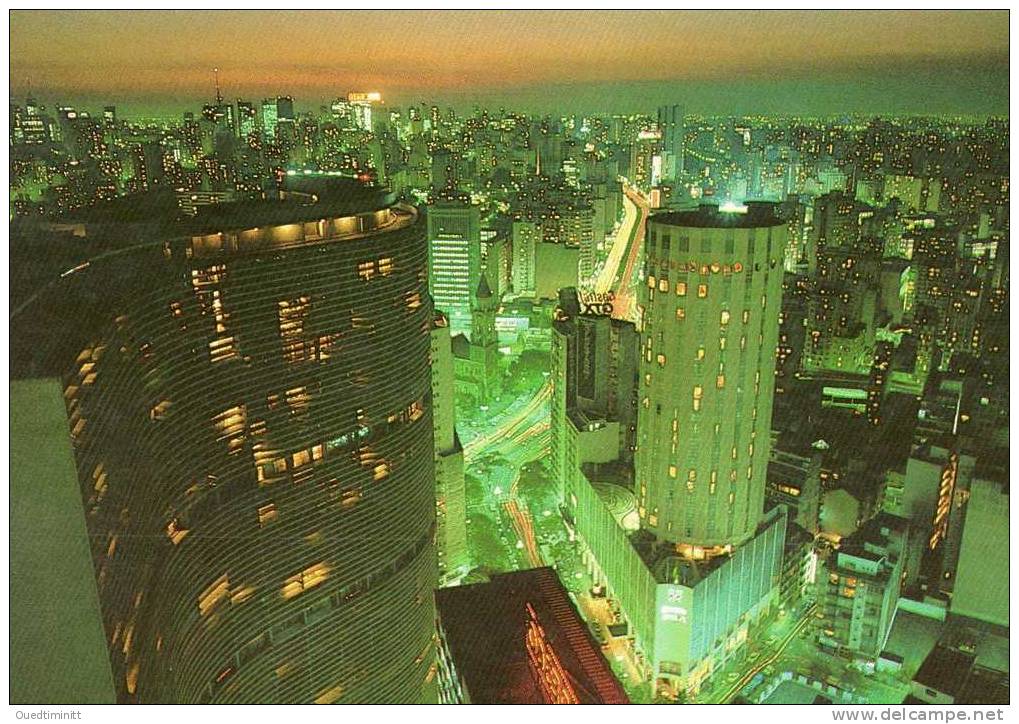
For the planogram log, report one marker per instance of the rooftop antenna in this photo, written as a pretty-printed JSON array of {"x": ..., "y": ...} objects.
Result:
[{"x": 219, "y": 96}]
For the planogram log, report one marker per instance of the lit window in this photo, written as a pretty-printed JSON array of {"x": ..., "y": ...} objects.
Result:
[
  {"x": 217, "y": 592},
  {"x": 672, "y": 471},
  {"x": 700, "y": 353},
  {"x": 267, "y": 514},
  {"x": 680, "y": 289},
  {"x": 691, "y": 474},
  {"x": 720, "y": 381},
  {"x": 661, "y": 360},
  {"x": 663, "y": 285},
  {"x": 746, "y": 316},
  {"x": 651, "y": 282},
  {"x": 721, "y": 342},
  {"x": 306, "y": 579},
  {"x": 702, "y": 290},
  {"x": 725, "y": 317},
  {"x": 680, "y": 314}
]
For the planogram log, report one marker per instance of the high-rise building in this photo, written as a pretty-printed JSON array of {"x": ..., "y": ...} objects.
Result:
[
  {"x": 451, "y": 504},
  {"x": 526, "y": 237},
  {"x": 672, "y": 130},
  {"x": 248, "y": 397},
  {"x": 519, "y": 640},
  {"x": 709, "y": 330},
  {"x": 454, "y": 256},
  {"x": 689, "y": 593},
  {"x": 270, "y": 118},
  {"x": 247, "y": 115}
]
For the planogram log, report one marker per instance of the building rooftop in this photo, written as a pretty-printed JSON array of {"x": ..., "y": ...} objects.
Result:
[
  {"x": 754, "y": 215},
  {"x": 945, "y": 670},
  {"x": 303, "y": 198},
  {"x": 495, "y": 632}
]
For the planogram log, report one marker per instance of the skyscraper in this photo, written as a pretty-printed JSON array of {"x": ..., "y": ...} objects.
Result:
[
  {"x": 454, "y": 256},
  {"x": 249, "y": 400},
  {"x": 709, "y": 333},
  {"x": 670, "y": 125},
  {"x": 451, "y": 504}
]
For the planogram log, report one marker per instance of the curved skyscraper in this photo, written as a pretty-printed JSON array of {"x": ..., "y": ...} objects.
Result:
[
  {"x": 708, "y": 333},
  {"x": 249, "y": 400}
]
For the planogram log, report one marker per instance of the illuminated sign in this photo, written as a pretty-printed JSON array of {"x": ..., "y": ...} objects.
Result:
[
  {"x": 552, "y": 678},
  {"x": 372, "y": 97},
  {"x": 596, "y": 304}
]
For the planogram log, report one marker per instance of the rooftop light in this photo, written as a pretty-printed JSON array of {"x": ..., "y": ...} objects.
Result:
[{"x": 731, "y": 207}]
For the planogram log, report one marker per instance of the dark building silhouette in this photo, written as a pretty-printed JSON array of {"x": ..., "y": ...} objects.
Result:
[{"x": 519, "y": 640}]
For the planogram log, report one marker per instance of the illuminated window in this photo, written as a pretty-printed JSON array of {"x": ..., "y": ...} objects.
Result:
[
  {"x": 672, "y": 471},
  {"x": 663, "y": 285},
  {"x": 720, "y": 381},
  {"x": 385, "y": 266},
  {"x": 725, "y": 317},
  {"x": 721, "y": 342},
  {"x": 661, "y": 360},
  {"x": 651, "y": 281},
  {"x": 680, "y": 314},
  {"x": 691, "y": 474},
  {"x": 267, "y": 514},
  {"x": 700, "y": 353},
  {"x": 175, "y": 531},
  {"x": 702, "y": 290},
  {"x": 680, "y": 289},
  {"x": 215, "y": 594},
  {"x": 746, "y": 316},
  {"x": 305, "y": 580}
]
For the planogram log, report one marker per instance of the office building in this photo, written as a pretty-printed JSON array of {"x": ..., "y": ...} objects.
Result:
[
  {"x": 454, "y": 256},
  {"x": 673, "y": 131}
]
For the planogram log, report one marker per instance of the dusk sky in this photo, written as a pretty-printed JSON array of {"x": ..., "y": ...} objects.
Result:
[{"x": 803, "y": 62}]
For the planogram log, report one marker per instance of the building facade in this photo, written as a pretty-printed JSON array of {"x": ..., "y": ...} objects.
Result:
[
  {"x": 709, "y": 331},
  {"x": 250, "y": 407}
]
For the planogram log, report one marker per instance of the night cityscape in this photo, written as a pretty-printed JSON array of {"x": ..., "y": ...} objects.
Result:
[{"x": 532, "y": 377}]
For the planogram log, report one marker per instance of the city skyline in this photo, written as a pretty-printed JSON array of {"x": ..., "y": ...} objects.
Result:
[
  {"x": 327, "y": 387},
  {"x": 808, "y": 63}
]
